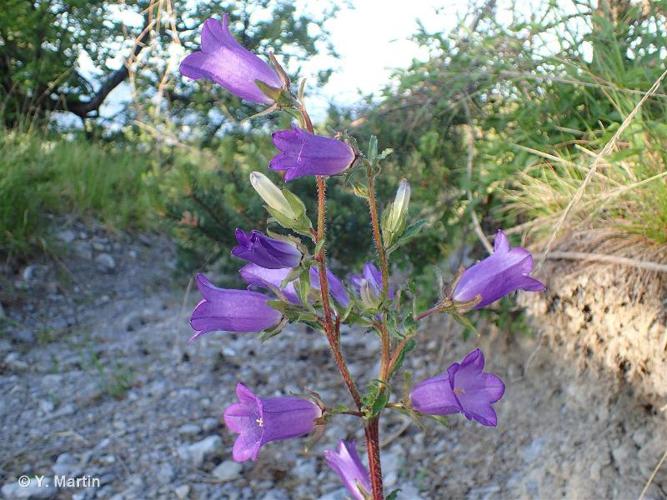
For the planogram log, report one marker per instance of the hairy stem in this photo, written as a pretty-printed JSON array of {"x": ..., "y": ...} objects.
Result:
[
  {"x": 372, "y": 431},
  {"x": 331, "y": 330}
]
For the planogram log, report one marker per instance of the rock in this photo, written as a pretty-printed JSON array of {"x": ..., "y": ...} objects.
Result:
[
  {"x": 305, "y": 471},
  {"x": 189, "y": 430},
  {"x": 66, "y": 235},
  {"x": 276, "y": 494},
  {"x": 22, "y": 336},
  {"x": 410, "y": 492},
  {"x": 339, "y": 494},
  {"x": 391, "y": 465},
  {"x": 83, "y": 249},
  {"x": 14, "y": 491},
  {"x": 532, "y": 451},
  {"x": 165, "y": 474},
  {"x": 2, "y": 311},
  {"x": 198, "y": 452},
  {"x": 105, "y": 262},
  {"x": 182, "y": 491},
  {"x": 228, "y": 471},
  {"x": 66, "y": 465},
  {"x": 34, "y": 272},
  {"x": 46, "y": 406},
  {"x": 13, "y": 361},
  {"x": 209, "y": 424}
]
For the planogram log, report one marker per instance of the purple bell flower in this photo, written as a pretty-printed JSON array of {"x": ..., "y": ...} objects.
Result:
[
  {"x": 225, "y": 62},
  {"x": 503, "y": 272},
  {"x": 272, "y": 279},
  {"x": 303, "y": 153},
  {"x": 464, "y": 388},
  {"x": 371, "y": 278},
  {"x": 239, "y": 311},
  {"x": 336, "y": 287},
  {"x": 264, "y": 251},
  {"x": 346, "y": 463},
  {"x": 261, "y": 420}
]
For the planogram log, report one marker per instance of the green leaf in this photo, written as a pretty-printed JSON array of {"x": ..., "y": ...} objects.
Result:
[
  {"x": 372, "y": 149},
  {"x": 409, "y": 346},
  {"x": 410, "y": 233},
  {"x": 393, "y": 495}
]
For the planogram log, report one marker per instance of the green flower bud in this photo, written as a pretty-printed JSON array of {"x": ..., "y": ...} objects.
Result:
[{"x": 272, "y": 195}]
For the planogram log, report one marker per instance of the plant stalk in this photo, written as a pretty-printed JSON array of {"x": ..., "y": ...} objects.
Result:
[{"x": 372, "y": 431}]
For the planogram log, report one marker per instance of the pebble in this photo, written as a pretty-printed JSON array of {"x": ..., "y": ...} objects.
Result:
[
  {"x": 189, "y": 430},
  {"x": 12, "y": 491},
  {"x": 83, "y": 249},
  {"x": 66, "y": 465},
  {"x": 13, "y": 361},
  {"x": 23, "y": 336},
  {"x": 182, "y": 491},
  {"x": 276, "y": 494},
  {"x": 46, "y": 406},
  {"x": 105, "y": 262},
  {"x": 228, "y": 471},
  {"x": 165, "y": 474},
  {"x": 66, "y": 235},
  {"x": 198, "y": 452}
]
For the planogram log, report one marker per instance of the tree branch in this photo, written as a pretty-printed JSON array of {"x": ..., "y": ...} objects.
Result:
[{"x": 83, "y": 109}]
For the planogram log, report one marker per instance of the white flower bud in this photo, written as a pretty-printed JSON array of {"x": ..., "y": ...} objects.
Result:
[
  {"x": 395, "y": 221},
  {"x": 271, "y": 194}
]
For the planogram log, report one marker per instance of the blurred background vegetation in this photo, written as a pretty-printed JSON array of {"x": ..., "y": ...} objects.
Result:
[{"x": 496, "y": 128}]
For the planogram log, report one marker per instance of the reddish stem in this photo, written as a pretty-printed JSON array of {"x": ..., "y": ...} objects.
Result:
[{"x": 372, "y": 431}]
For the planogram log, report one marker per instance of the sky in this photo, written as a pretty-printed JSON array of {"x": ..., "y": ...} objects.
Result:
[{"x": 372, "y": 38}]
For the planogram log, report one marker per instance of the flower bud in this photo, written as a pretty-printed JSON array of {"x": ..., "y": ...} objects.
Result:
[
  {"x": 393, "y": 223},
  {"x": 272, "y": 195}
]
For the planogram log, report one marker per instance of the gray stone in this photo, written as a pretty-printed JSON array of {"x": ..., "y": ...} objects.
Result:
[
  {"x": 533, "y": 450},
  {"x": 14, "y": 491},
  {"x": 46, "y": 406},
  {"x": 66, "y": 465},
  {"x": 165, "y": 474},
  {"x": 105, "y": 262},
  {"x": 305, "y": 471},
  {"x": 209, "y": 424},
  {"x": 198, "y": 452},
  {"x": 276, "y": 494},
  {"x": 340, "y": 494},
  {"x": 34, "y": 272},
  {"x": 2, "y": 311},
  {"x": 66, "y": 235},
  {"x": 13, "y": 361},
  {"x": 182, "y": 491},
  {"x": 83, "y": 249},
  {"x": 23, "y": 336},
  {"x": 189, "y": 430},
  {"x": 228, "y": 471}
]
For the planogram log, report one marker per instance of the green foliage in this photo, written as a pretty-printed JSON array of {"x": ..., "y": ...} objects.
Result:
[
  {"x": 207, "y": 195},
  {"x": 41, "y": 177},
  {"x": 547, "y": 89}
]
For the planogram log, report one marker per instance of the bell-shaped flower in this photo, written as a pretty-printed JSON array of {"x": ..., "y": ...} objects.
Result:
[
  {"x": 368, "y": 285},
  {"x": 258, "y": 421},
  {"x": 264, "y": 251},
  {"x": 239, "y": 311},
  {"x": 271, "y": 279},
  {"x": 336, "y": 287},
  {"x": 505, "y": 271},
  {"x": 346, "y": 463},
  {"x": 463, "y": 388},
  {"x": 303, "y": 153},
  {"x": 224, "y": 61}
]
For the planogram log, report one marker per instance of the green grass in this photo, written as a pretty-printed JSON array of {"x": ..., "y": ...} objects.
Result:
[{"x": 40, "y": 177}]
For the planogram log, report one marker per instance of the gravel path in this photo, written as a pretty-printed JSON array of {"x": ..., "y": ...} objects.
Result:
[{"x": 118, "y": 394}]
